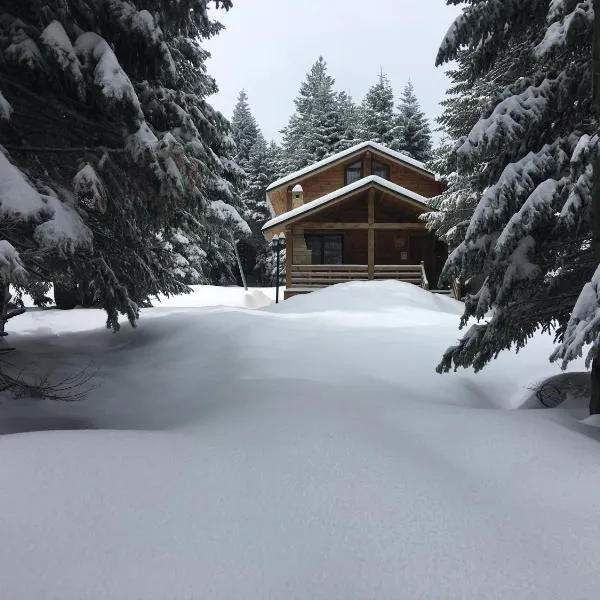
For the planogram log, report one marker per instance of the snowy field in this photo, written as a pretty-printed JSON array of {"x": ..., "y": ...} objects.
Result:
[{"x": 232, "y": 448}]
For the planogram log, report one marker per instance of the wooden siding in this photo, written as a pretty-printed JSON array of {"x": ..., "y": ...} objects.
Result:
[
  {"x": 414, "y": 181},
  {"x": 331, "y": 178},
  {"x": 388, "y": 238}
]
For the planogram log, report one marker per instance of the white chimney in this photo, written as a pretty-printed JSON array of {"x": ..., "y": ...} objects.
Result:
[{"x": 297, "y": 196}]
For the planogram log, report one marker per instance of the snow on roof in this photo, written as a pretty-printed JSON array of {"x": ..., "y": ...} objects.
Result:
[
  {"x": 349, "y": 152},
  {"x": 310, "y": 206},
  {"x": 297, "y": 188}
]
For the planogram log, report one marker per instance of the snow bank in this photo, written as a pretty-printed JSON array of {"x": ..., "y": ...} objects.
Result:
[
  {"x": 294, "y": 453},
  {"x": 212, "y": 295},
  {"x": 370, "y": 297}
]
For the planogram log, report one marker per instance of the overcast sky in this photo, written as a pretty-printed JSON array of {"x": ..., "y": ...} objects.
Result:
[{"x": 269, "y": 45}]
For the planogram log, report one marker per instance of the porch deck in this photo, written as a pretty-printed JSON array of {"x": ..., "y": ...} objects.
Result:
[{"x": 307, "y": 278}]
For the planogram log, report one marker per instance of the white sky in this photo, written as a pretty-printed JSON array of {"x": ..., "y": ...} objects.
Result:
[{"x": 269, "y": 45}]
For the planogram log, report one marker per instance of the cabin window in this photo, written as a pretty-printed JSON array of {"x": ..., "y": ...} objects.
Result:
[
  {"x": 354, "y": 172},
  {"x": 326, "y": 249},
  {"x": 381, "y": 169}
]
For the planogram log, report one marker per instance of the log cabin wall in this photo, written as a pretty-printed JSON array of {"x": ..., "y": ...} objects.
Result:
[{"x": 333, "y": 178}]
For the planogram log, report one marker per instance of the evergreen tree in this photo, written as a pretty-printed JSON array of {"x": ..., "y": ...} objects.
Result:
[
  {"x": 466, "y": 102},
  {"x": 377, "y": 113},
  {"x": 350, "y": 120},
  {"x": 315, "y": 130},
  {"x": 244, "y": 128},
  {"x": 111, "y": 147},
  {"x": 263, "y": 169},
  {"x": 412, "y": 134},
  {"x": 531, "y": 232}
]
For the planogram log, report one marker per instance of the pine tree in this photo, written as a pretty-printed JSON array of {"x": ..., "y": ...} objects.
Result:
[
  {"x": 244, "y": 128},
  {"x": 112, "y": 146},
  {"x": 466, "y": 102},
  {"x": 531, "y": 233},
  {"x": 315, "y": 130},
  {"x": 263, "y": 168},
  {"x": 412, "y": 134},
  {"x": 377, "y": 113},
  {"x": 350, "y": 120}
]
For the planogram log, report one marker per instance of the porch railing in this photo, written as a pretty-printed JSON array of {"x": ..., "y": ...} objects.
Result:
[{"x": 317, "y": 276}]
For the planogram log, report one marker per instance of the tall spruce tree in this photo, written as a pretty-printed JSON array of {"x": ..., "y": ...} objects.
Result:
[
  {"x": 244, "y": 129},
  {"x": 377, "y": 113},
  {"x": 532, "y": 233},
  {"x": 110, "y": 148},
  {"x": 350, "y": 120},
  {"x": 411, "y": 134},
  {"x": 315, "y": 130},
  {"x": 467, "y": 101}
]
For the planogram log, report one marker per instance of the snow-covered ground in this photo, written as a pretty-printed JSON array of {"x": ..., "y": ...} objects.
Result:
[{"x": 301, "y": 451}]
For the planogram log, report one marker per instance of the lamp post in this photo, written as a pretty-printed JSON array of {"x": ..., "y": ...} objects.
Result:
[{"x": 279, "y": 241}]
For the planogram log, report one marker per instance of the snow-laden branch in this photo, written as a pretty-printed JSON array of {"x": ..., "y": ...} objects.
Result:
[
  {"x": 512, "y": 120},
  {"x": 6, "y": 109},
  {"x": 576, "y": 22},
  {"x": 583, "y": 327}
]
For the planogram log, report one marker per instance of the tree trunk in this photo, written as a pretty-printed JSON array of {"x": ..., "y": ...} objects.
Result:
[
  {"x": 66, "y": 296},
  {"x": 595, "y": 384}
]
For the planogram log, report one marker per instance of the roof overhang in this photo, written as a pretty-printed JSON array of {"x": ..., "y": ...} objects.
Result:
[
  {"x": 350, "y": 153},
  {"x": 278, "y": 224}
]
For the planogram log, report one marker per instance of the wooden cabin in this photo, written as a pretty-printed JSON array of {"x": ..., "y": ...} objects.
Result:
[{"x": 355, "y": 216}]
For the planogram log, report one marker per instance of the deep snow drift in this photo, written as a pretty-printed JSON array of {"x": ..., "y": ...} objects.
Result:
[{"x": 305, "y": 450}]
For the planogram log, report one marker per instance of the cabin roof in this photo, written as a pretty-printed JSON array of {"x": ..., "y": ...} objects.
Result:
[
  {"x": 397, "y": 156},
  {"x": 345, "y": 191}
]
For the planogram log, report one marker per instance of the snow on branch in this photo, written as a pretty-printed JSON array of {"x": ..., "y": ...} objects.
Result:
[
  {"x": 537, "y": 210},
  {"x": 516, "y": 183},
  {"x": 88, "y": 188},
  {"x": 511, "y": 120},
  {"x": 472, "y": 26},
  {"x": 228, "y": 214},
  {"x": 583, "y": 327},
  {"x": 22, "y": 50},
  {"x": 59, "y": 225},
  {"x": 574, "y": 23},
  {"x": 56, "y": 42},
  {"x": 6, "y": 109},
  {"x": 575, "y": 211},
  {"x": 11, "y": 267},
  {"x": 109, "y": 77}
]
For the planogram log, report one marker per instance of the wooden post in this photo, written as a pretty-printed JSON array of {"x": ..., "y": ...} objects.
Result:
[
  {"x": 289, "y": 256},
  {"x": 367, "y": 165},
  {"x": 371, "y": 242}
]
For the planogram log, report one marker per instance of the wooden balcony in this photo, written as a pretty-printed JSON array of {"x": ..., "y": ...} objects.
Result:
[{"x": 306, "y": 278}]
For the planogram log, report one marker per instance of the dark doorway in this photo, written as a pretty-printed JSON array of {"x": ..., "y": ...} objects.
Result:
[{"x": 326, "y": 249}]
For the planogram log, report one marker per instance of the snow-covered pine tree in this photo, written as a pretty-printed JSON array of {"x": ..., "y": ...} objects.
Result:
[
  {"x": 262, "y": 169},
  {"x": 315, "y": 130},
  {"x": 466, "y": 101},
  {"x": 350, "y": 118},
  {"x": 411, "y": 134},
  {"x": 530, "y": 234},
  {"x": 109, "y": 146},
  {"x": 377, "y": 113},
  {"x": 259, "y": 171},
  {"x": 244, "y": 129}
]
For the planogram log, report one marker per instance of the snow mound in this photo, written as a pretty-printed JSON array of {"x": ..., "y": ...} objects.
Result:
[
  {"x": 369, "y": 296},
  {"x": 235, "y": 453},
  {"x": 569, "y": 391},
  {"x": 212, "y": 295}
]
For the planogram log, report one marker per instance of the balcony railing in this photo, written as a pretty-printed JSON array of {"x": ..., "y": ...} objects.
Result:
[{"x": 317, "y": 276}]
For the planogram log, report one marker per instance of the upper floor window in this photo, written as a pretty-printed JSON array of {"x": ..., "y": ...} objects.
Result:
[
  {"x": 353, "y": 172},
  {"x": 381, "y": 169}
]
